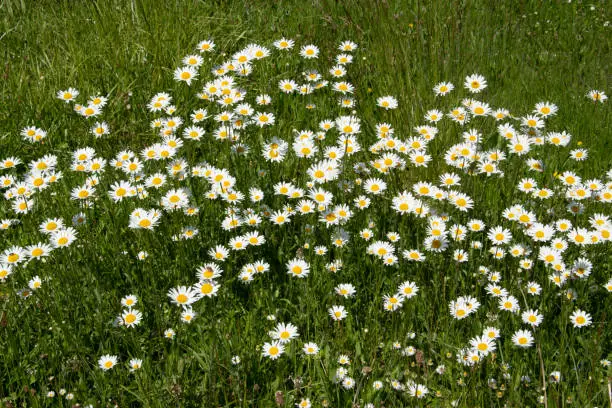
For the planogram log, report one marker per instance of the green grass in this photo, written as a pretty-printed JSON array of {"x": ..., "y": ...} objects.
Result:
[{"x": 528, "y": 51}]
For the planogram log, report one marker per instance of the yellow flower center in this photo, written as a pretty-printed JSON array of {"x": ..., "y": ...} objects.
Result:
[
  {"x": 130, "y": 318},
  {"x": 144, "y": 223}
]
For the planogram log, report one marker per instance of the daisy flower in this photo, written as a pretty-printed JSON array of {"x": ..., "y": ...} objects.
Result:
[
  {"x": 35, "y": 283},
  {"x": 417, "y": 390},
  {"x": 346, "y": 290},
  {"x": 337, "y": 313},
  {"x": 597, "y": 96},
  {"x": 187, "y": 315},
  {"x": 284, "y": 44},
  {"x": 532, "y": 317},
  {"x": 273, "y": 350},
  {"x": 387, "y": 102},
  {"x": 545, "y": 109},
  {"x": 304, "y": 403},
  {"x": 475, "y": 83},
  {"x": 375, "y": 186},
  {"x": 143, "y": 219},
  {"x": 309, "y": 51},
  {"x": 284, "y": 333},
  {"x": 129, "y": 301},
  {"x": 522, "y": 338},
  {"x": 579, "y": 154},
  {"x": 206, "y": 46},
  {"x": 207, "y": 288},
  {"x": 106, "y": 362},
  {"x": 344, "y": 59},
  {"x": 347, "y": 46},
  {"x": 499, "y": 235},
  {"x": 509, "y": 303},
  {"x": 310, "y": 349},
  {"x": 462, "y": 202},
  {"x": 38, "y": 251},
  {"x": 90, "y": 111},
  {"x": 443, "y": 88},
  {"x": 298, "y": 268},
  {"x": 185, "y": 74},
  {"x": 408, "y": 289},
  {"x": 193, "y": 60},
  {"x": 580, "y": 318},
  {"x": 100, "y": 129},
  {"x": 287, "y": 85},
  {"x": 532, "y": 122},
  {"x": 5, "y": 271},
  {"x": 68, "y": 95},
  {"x": 135, "y": 364},
  {"x": 82, "y": 193},
  {"x": 63, "y": 237},
  {"x": 183, "y": 295},
  {"x": 131, "y": 317}
]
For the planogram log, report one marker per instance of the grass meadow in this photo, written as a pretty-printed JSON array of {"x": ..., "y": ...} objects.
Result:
[{"x": 305, "y": 203}]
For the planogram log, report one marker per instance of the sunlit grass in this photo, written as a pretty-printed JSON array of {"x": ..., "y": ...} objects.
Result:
[{"x": 219, "y": 351}]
